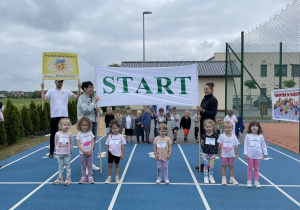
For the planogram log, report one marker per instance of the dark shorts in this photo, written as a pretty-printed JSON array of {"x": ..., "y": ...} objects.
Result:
[
  {"x": 112, "y": 158},
  {"x": 128, "y": 132},
  {"x": 175, "y": 128}
]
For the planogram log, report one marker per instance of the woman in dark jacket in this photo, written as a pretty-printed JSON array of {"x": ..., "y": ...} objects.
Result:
[{"x": 209, "y": 105}]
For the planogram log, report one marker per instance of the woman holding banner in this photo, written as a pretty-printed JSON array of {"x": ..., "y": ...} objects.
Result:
[{"x": 87, "y": 107}]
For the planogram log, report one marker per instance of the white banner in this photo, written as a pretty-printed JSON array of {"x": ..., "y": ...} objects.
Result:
[
  {"x": 285, "y": 103},
  {"x": 147, "y": 86}
]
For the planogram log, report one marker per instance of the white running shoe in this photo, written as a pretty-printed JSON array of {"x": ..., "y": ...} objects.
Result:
[
  {"x": 212, "y": 180},
  {"x": 249, "y": 184},
  {"x": 257, "y": 184},
  {"x": 206, "y": 180},
  {"x": 95, "y": 168}
]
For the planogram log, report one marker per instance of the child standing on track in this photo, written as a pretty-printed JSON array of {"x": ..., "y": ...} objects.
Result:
[
  {"x": 161, "y": 118},
  {"x": 108, "y": 117},
  {"x": 254, "y": 149},
  {"x": 138, "y": 126},
  {"x": 114, "y": 150},
  {"x": 210, "y": 149},
  {"x": 63, "y": 146},
  {"x": 232, "y": 118},
  {"x": 162, "y": 151},
  {"x": 175, "y": 123},
  {"x": 146, "y": 123},
  {"x": 185, "y": 123},
  {"x": 196, "y": 121},
  {"x": 85, "y": 142},
  {"x": 228, "y": 149},
  {"x": 128, "y": 124}
]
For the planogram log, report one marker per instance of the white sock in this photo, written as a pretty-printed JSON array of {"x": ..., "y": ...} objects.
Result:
[
  {"x": 117, "y": 176},
  {"x": 109, "y": 177},
  {"x": 223, "y": 177},
  {"x": 231, "y": 177}
]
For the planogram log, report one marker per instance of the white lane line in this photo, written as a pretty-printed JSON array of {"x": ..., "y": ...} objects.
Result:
[
  {"x": 194, "y": 179},
  {"x": 276, "y": 186},
  {"x": 22, "y": 158},
  {"x": 36, "y": 189},
  {"x": 284, "y": 154},
  {"x": 113, "y": 200}
]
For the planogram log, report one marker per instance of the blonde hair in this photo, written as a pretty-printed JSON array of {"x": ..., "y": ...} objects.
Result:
[
  {"x": 149, "y": 107},
  {"x": 209, "y": 121},
  {"x": 118, "y": 110},
  {"x": 163, "y": 127},
  {"x": 226, "y": 123},
  {"x": 63, "y": 120},
  {"x": 109, "y": 107},
  {"x": 139, "y": 112},
  {"x": 84, "y": 119}
]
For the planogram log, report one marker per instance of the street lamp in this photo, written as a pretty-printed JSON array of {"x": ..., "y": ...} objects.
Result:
[{"x": 145, "y": 12}]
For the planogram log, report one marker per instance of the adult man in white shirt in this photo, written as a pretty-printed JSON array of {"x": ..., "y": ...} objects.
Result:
[{"x": 59, "y": 99}]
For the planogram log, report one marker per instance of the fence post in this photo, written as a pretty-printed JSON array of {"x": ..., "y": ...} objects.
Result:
[
  {"x": 280, "y": 65},
  {"x": 242, "y": 73},
  {"x": 226, "y": 77}
]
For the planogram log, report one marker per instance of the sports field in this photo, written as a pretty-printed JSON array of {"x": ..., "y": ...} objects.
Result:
[{"x": 26, "y": 182}]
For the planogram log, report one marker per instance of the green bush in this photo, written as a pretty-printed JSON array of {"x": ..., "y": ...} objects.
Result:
[
  {"x": 2, "y": 133},
  {"x": 20, "y": 124},
  {"x": 35, "y": 119},
  {"x": 12, "y": 123},
  {"x": 26, "y": 120},
  {"x": 44, "y": 122}
]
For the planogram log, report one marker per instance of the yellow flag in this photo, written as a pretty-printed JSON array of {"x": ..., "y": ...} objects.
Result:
[{"x": 60, "y": 66}]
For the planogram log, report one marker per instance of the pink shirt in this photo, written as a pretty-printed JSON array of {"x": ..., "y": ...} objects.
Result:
[
  {"x": 162, "y": 147},
  {"x": 115, "y": 142},
  {"x": 63, "y": 143}
]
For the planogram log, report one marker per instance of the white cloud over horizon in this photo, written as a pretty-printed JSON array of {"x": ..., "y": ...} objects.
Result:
[{"x": 106, "y": 32}]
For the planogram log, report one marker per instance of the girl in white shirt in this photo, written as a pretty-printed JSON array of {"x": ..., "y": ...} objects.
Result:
[{"x": 254, "y": 149}]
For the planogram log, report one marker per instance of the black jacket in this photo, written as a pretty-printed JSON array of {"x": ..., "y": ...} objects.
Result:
[{"x": 210, "y": 104}]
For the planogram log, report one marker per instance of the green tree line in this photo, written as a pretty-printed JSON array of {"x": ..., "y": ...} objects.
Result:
[{"x": 28, "y": 121}]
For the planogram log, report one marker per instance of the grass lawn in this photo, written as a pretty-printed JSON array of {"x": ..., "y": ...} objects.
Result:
[{"x": 20, "y": 102}]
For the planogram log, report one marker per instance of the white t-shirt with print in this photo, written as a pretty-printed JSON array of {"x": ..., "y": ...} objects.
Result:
[
  {"x": 228, "y": 144},
  {"x": 128, "y": 121},
  {"x": 85, "y": 140},
  {"x": 255, "y": 146},
  {"x": 59, "y": 102},
  {"x": 115, "y": 142}
]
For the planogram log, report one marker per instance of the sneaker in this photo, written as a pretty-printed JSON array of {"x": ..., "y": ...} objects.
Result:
[
  {"x": 167, "y": 181},
  {"x": 249, "y": 184},
  {"x": 206, "y": 180},
  {"x": 117, "y": 180},
  {"x": 91, "y": 181},
  {"x": 82, "y": 180},
  {"x": 58, "y": 180},
  {"x": 175, "y": 141},
  {"x": 224, "y": 182},
  {"x": 212, "y": 180},
  {"x": 51, "y": 155},
  {"x": 158, "y": 181},
  {"x": 127, "y": 141},
  {"x": 196, "y": 140},
  {"x": 233, "y": 181},
  {"x": 95, "y": 168},
  {"x": 131, "y": 142},
  {"x": 108, "y": 180},
  {"x": 67, "y": 182},
  {"x": 257, "y": 184},
  {"x": 185, "y": 139}
]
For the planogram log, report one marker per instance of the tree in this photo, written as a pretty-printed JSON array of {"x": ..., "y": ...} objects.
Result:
[
  {"x": 2, "y": 133},
  {"x": 26, "y": 120},
  {"x": 289, "y": 83},
  {"x": 44, "y": 122},
  {"x": 20, "y": 123},
  {"x": 12, "y": 126},
  {"x": 114, "y": 65},
  {"x": 250, "y": 84},
  {"x": 35, "y": 119}
]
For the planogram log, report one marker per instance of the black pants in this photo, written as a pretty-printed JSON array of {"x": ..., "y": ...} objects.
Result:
[
  {"x": 196, "y": 132},
  {"x": 53, "y": 129}
]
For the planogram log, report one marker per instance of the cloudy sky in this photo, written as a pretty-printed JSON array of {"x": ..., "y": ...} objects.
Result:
[{"x": 103, "y": 32}]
